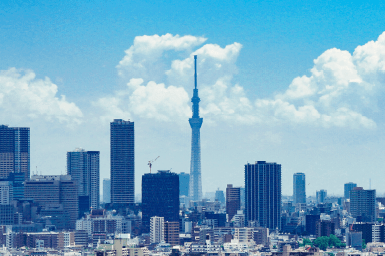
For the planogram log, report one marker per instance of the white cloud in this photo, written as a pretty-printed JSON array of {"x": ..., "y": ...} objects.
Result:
[
  {"x": 22, "y": 95},
  {"x": 144, "y": 58},
  {"x": 153, "y": 101},
  {"x": 340, "y": 89}
]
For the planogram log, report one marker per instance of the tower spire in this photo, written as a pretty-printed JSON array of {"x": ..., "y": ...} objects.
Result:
[{"x": 195, "y": 188}]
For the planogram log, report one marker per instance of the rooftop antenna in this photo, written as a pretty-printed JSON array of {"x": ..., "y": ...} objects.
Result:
[{"x": 370, "y": 183}]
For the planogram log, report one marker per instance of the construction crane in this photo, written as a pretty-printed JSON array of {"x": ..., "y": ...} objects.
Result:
[{"x": 150, "y": 162}]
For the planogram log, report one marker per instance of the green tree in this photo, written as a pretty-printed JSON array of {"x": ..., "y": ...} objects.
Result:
[
  {"x": 363, "y": 244},
  {"x": 322, "y": 242},
  {"x": 305, "y": 241}
]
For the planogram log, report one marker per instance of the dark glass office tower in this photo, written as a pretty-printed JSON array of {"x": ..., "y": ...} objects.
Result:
[
  {"x": 263, "y": 194},
  {"x": 83, "y": 166},
  {"x": 122, "y": 161},
  {"x": 160, "y": 197},
  {"x": 363, "y": 204},
  {"x": 299, "y": 188},
  {"x": 14, "y": 151}
]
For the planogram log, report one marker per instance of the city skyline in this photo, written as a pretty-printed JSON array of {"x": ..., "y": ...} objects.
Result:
[{"x": 67, "y": 71}]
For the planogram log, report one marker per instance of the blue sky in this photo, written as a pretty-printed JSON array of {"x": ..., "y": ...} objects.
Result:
[{"x": 252, "y": 108}]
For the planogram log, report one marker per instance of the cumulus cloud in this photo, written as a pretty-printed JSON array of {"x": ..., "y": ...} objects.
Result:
[
  {"x": 151, "y": 100},
  {"x": 341, "y": 90},
  {"x": 22, "y": 95},
  {"x": 144, "y": 59}
]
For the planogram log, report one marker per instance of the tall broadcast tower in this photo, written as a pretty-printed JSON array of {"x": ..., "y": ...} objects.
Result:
[{"x": 195, "y": 189}]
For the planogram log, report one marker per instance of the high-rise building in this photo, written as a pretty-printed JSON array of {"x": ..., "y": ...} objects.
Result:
[
  {"x": 14, "y": 151},
  {"x": 171, "y": 232},
  {"x": 299, "y": 188},
  {"x": 347, "y": 188},
  {"x": 160, "y": 197},
  {"x": 233, "y": 201},
  {"x": 106, "y": 191},
  {"x": 122, "y": 161},
  {"x": 363, "y": 204},
  {"x": 321, "y": 196},
  {"x": 184, "y": 180},
  {"x": 156, "y": 229},
  {"x": 83, "y": 166},
  {"x": 220, "y": 196},
  {"x": 50, "y": 190},
  {"x": 263, "y": 194},
  {"x": 195, "y": 190}
]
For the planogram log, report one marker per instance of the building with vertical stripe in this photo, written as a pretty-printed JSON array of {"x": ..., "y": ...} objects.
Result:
[
  {"x": 122, "y": 161},
  {"x": 263, "y": 194},
  {"x": 14, "y": 151}
]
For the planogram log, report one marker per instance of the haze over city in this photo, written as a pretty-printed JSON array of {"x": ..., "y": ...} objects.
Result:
[{"x": 296, "y": 83}]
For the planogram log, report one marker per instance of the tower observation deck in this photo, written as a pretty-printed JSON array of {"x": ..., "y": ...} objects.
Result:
[{"x": 195, "y": 189}]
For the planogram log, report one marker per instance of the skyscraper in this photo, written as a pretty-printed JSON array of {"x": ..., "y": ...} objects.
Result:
[
  {"x": 347, "y": 187},
  {"x": 160, "y": 197},
  {"x": 321, "y": 196},
  {"x": 263, "y": 194},
  {"x": 53, "y": 190},
  {"x": 195, "y": 190},
  {"x": 184, "y": 180},
  {"x": 363, "y": 204},
  {"x": 14, "y": 151},
  {"x": 122, "y": 161},
  {"x": 83, "y": 166},
  {"x": 299, "y": 188},
  {"x": 106, "y": 191},
  {"x": 233, "y": 201}
]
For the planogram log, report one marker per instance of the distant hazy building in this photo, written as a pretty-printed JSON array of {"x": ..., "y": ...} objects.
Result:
[
  {"x": 263, "y": 194},
  {"x": 83, "y": 166},
  {"x": 233, "y": 201},
  {"x": 160, "y": 197},
  {"x": 347, "y": 188},
  {"x": 14, "y": 151},
  {"x": 106, "y": 191},
  {"x": 321, "y": 196},
  {"x": 363, "y": 204},
  {"x": 156, "y": 229},
  {"x": 122, "y": 161},
  {"x": 220, "y": 196},
  {"x": 184, "y": 181},
  {"x": 299, "y": 188},
  {"x": 50, "y": 190}
]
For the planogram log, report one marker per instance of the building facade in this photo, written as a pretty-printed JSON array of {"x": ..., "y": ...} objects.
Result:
[
  {"x": 363, "y": 204},
  {"x": 195, "y": 186},
  {"x": 321, "y": 196},
  {"x": 14, "y": 151},
  {"x": 184, "y": 183},
  {"x": 299, "y": 188},
  {"x": 122, "y": 138},
  {"x": 106, "y": 191},
  {"x": 263, "y": 194},
  {"x": 233, "y": 201},
  {"x": 156, "y": 229},
  {"x": 48, "y": 190},
  {"x": 347, "y": 188},
  {"x": 83, "y": 166},
  {"x": 160, "y": 197}
]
